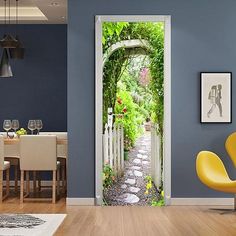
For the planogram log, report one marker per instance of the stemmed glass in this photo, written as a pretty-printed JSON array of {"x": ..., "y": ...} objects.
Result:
[
  {"x": 39, "y": 125},
  {"x": 7, "y": 126},
  {"x": 15, "y": 125},
  {"x": 32, "y": 126}
]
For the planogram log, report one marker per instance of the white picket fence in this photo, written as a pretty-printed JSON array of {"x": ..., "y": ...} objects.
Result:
[
  {"x": 113, "y": 148},
  {"x": 155, "y": 156}
]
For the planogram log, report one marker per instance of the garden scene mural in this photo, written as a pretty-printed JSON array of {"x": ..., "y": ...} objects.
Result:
[{"x": 133, "y": 94}]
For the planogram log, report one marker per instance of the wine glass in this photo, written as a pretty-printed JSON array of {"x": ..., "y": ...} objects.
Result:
[
  {"x": 7, "y": 126},
  {"x": 15, "y": 125},
  {"x": 39, "y": 125},
  {"x": 32, "y": 126}
]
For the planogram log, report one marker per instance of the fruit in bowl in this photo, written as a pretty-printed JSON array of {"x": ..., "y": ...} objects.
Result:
[{"x": 21, "y": 131}]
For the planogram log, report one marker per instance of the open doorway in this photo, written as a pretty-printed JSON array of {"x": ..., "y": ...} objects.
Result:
[{"x": 132, "y": 103}]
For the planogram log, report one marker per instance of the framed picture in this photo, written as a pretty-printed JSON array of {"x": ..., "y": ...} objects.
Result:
[{"x": 216, "y": 97}]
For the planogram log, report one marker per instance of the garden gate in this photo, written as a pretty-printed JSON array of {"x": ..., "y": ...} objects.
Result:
[
  {"x": 113, "y": 147},
  {"x": 155, "y": 156}
]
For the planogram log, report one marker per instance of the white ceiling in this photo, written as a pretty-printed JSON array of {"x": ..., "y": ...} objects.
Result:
[{"x": 37, "y": 11}]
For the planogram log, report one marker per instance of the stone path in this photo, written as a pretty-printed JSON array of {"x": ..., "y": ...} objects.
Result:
[{"x": 130, "y": 189}]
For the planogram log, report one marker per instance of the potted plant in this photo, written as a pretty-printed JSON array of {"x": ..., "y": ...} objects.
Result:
[
  {"x": 127, "y": 145},
  {"x": 147, "y": 125}
]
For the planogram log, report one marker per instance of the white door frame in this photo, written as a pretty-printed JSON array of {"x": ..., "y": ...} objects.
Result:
[{"x": 99, "y": 92}]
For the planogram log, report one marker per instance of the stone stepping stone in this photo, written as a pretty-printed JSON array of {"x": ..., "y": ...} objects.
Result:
[
  {"x": 138, "y": 173},
  {"x": 134, "y": 189},
  {"x": 135, "y": 167},
  {"x": 130, "y": 181},
  {"x": 130, "y": 173},
  {"x": 145, "y": 162},
  {"x": 142, "y": 151},
  {"x": 144, "y": 157},
  {"x": 123, "y": 186},
  {"x": 128, "y": 198},
  {"x": 137, "y": 161},
  {"x": 139, "y": 155}
]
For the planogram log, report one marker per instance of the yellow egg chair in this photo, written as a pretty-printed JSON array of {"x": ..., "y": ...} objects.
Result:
[
  {"x": 230, "y": 146},
  {"x": 211, "y": 171}
]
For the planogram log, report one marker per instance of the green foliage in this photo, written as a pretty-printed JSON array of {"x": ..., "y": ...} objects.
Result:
[
  {"x": 154, "y": 33},
  {"x": 150, "y": 189},
  {"x": 111, "y": 75},
  {"x": 121, "y": 66},
  {"x": 127, "y": 114},
  {"x": 160, "y": 202},
  {"x": 108, "y": 176},
  {"x": 149, "y": 185},
  {"x": 111, "y": 33}
]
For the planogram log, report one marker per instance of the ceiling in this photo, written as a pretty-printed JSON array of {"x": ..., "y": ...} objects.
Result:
[{"x": 36, "y": 11}]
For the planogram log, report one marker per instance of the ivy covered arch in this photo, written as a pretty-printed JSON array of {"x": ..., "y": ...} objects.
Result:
[{"x": 122, "y": 40}]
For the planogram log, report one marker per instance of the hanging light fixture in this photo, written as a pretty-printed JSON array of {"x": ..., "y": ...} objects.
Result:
[
  {"x": 19, "y": 51},
  {"x": 5, "y": 68},
  {"x": 8, "y": 40}
]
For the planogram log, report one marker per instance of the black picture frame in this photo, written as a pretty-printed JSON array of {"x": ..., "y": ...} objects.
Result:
[{"x": 216, "y": 97}]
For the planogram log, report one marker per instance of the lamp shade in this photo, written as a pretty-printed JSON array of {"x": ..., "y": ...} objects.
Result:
[
  {"x": 8, "y": 41},
  {"x": 18, "y": 52},
  {"x": 5, "y": 68}
]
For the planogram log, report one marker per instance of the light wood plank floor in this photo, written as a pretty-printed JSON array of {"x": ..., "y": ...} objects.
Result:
[{"x": 132, "y": 221}]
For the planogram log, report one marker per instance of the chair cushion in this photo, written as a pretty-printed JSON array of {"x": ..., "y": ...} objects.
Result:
[{"x": 6, "y": 165}]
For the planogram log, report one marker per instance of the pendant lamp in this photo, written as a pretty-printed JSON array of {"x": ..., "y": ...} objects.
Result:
[
  {"x": 8, "y": 40},
  {"x": 19, "y": 51},
  {"x": 5, "y": 68}
]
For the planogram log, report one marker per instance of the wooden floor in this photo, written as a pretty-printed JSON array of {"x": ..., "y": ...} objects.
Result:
[{"x": 131, "y": 221}]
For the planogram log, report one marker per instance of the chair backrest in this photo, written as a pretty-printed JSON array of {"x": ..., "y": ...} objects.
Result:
[
  {"x": 60, "y": 135},
  {"x": 12, "y": 150},
  {"x": 230, "y": 146},
  {"x": 1, "y": 152},
  {"x": 211, "y": 170},
  {"x": 61, "y": 148},
  {"x": 38, "y": 152}
]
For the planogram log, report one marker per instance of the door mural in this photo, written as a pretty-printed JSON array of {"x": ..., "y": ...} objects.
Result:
[{"x": 133, "y": 97}]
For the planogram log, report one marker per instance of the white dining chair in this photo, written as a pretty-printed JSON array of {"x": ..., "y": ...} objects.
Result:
[
  {"x": 62, "y": 154},
  {"x": 12, "y": 154},
  {"x": 39, "y": 153},
  {"x": 4, "y": 166}
]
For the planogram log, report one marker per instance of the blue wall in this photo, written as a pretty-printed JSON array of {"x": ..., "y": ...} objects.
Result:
[
  {"x": 39, "y": 86},
  {"x": 203, "y": 39}
]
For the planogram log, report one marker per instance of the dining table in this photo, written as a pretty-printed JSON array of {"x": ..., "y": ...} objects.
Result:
[{"x": 12, "y": 141}]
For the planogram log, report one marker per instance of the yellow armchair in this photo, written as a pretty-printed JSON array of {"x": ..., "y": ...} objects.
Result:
[
  {"x": 211, "y": 171},
  {"x": 230, "y": 146}
]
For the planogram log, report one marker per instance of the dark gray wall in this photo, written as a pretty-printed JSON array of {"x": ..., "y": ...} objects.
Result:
[
  {"x": 203, "y": 39},
  {"x": 39, "y": 86}
]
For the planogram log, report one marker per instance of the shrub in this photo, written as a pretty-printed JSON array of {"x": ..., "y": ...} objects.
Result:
[
  {"x": 108, "y": 176},
  {"x": 127, "y": 115}
]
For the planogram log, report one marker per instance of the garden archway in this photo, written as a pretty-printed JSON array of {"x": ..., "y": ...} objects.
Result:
[{"x": 135, "y": 44}]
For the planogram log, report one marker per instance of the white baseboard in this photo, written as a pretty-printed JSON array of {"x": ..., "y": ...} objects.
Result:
[
  {"x": 98, "y": 201},
  {"x": 80, "y": 201},
  {"x": 202, "y": 201}
]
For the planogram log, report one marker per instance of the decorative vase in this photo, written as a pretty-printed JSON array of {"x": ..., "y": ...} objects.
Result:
[{"x": 126, "y": 155}]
